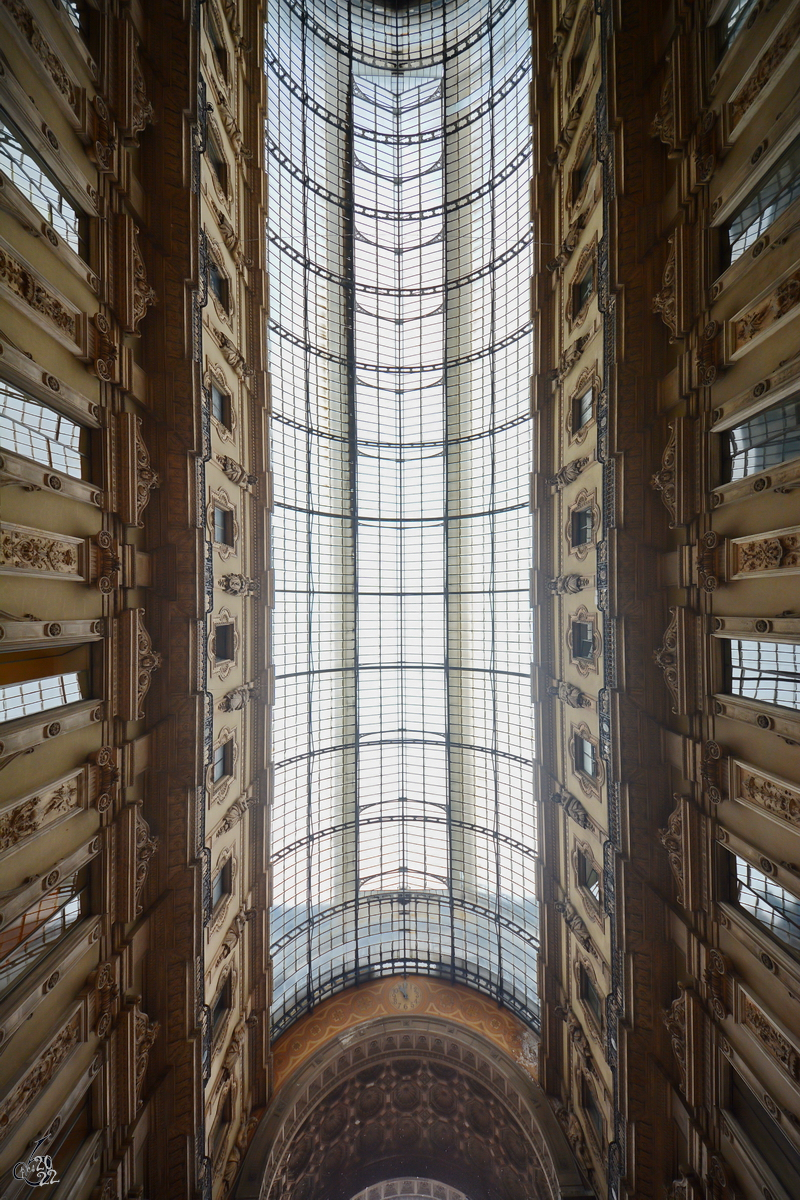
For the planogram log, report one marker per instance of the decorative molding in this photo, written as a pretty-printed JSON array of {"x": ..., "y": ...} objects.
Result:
[
  {"x": 146, "y": 847},
  {"x": 575, "y": 317},
  {"x": 39, "y": 1074},
  {"x": 215, "y": 374},
  {"x": 239, "y": 585},
  {"x": 232, "y": 355},
  {"x": 767, "y": 68},
  {"x": 776, "y": 1044},
  {"x": 756, "y": 322},
  {"x": 569, "y": 357},
  {"x": 778, "y": 550},
  {"x": 569, "y": 473},
  {"x": 683, "y": 1020},
  {"x": 574, "y": 809},
  {"x": 561, "y": 33},
  {"x": 52, "y": 62},
  {"x": 145, "y": 1034},
  {"x": 232, "y": 937},
  {"x": 682, "y": 841},
  {"x": 132, "y": 295},
  {"x": 568, "y": 585},
  {"x": 137, "y": 662},
  {"x": 31, "y": 289},
  {"x": 582, "y": 665},
  {"x": 768, "y": 793},
  {"x": 565, "y": 138},
  {"x": 590, "y": 785},
  {"x": 556, "y": 265},
  {"x": 583, "y": 499},
  {"x": 222, "y": 667},
  {"x": 36, "y": 552},
  {"x": 219, "y": 498},
  {"x": 219, "y": 790},
  {"x": 576, "y": 925},
  {"x": 676, "y": 659},
  {"x": 235, "y": 472},
  {"x": 665, "y": 302},
  {"x": 226, "y": 856},
  {"x": 237, "y": 699},
  {"x": 35, "y": 813},
  {"x": 569, "y": 694},
  {"x": 574, "y": 1134}
]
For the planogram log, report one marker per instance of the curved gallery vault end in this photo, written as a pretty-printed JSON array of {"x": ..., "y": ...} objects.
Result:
[{"x": 408, "y": 1079}]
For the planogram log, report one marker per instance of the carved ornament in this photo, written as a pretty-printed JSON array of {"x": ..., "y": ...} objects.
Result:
[
  {"x": 569, "y": 694},
  {"x": 40, "y": 1073},
  {"x": 106, "y": 562},
  {"x": 146, "y": 847},
  {"x": 663, "y": 124},
  {"x": 673, "y": 840},
  {"x": 36, "y": 812},
  {"x": 232, "y": 355},
  {"x": 235, "y": 472},
  {"x": 769, "y": 310},
  {"x": 666, "y": 301},
  {"x": 664, "y": 480},
  {"x": 237, "y": 699},
  {"x": 565, "y": 23},
  {"x": 779, "y": 552},
  {"x": 31, "y": 290},
  {"x": 52, "y": 62},
  {"x": 573, "y": 808},
  {"x": 569, "y": 357},
  {"x": 145, "y": 1033},
  {"x": 556, "y": 265},
  {"x": 239, "y": 585},
  {"x": 568, "y": 585},
  {"x": 777, "y": 1045},
  {"x": 766, "y": 67},
  {"x": 569, "y": 473},
  {"x": 675, "y": 661},
  {"x": 146, "y": 478},
  {"x": 567, "y": 134},
  {"x": 675, "y": 1021},
  {"x": 148, "y": 660},
  {"x": 27, "y": 550},
  {"x": 576, "y": 925},
  {"x": 779, "y": 799},
  {"x": 574, "y": 1133}
]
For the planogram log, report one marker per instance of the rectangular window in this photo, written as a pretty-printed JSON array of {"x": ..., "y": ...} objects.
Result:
[
  {"x": 582, "y": 409},
  {"x": 582, "y": 291},
  {"x": 727, "y": 27},
  {"x": 768, "y": 671},
  {"x": 771, "y": 196},
  {"x": 592, "y": 1110},
  {"x": 578, "y": 60},
  {"x": 19, "y": 164},
  {"x": 223, "y": 526},
  {"x": 582, "y": 527},
  {"x": 220, "y": 406},
  {"x": 217, "y": 45},
  {"x": 223, "y": 643},
  {"x": 585, "y": 757},
  {"x": 38, "y": 695},
  {"x": 766, "y": 1137},
  {"x": 582, "y": 639},
  {"x": 775, "y": 909},
  {"x": 222, "y": 1005},
  {"x": 223, "y": 760},
  {"x": 72, "y": 1134},
  {"x": 26, "y": 940},
  {"x": 221, "y": 885},
  {"x": 218, "y": 283},
  {"x": 40, "y": 433},
  {"x": 588, "y": 877},
  {"x": 220, "y": 1131},
  {"x": 590, "y": 996},
  {"x": 581, "y": 173},
  {"x": 217, "y": 161},
  {"x": 765, "y": 440}
]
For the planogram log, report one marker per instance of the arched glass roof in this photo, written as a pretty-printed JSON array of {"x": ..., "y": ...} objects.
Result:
[{"x": 403, "y": 834}]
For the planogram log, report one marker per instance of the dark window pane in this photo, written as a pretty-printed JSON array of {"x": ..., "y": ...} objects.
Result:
[
  {"x": 729, "y": 24},
  {"x": 582, "y": 639},
  {"x": 220, "y": 405},
  {"x": 585, "y": 757},
  {"x": 590, "y": 994},
  {"x": 581, "y": 173},
  {"x": 583, "y": 290},
  {"x": 765, "y": 440},
  {"x": 582, "y": 410},
  {"x": 223, "y": 526},
  {"x": 765, "y": 1136},
  {"x": 766, "y": 902},
  {"x": 768, "y": 671},
  {"x": 773, "y": 195},
  {"x": 588, "y": 876},
  {"x": 223, "y": 641},
  {"x": 581, "y": 527},
  {"x": 218, "y": 283}
]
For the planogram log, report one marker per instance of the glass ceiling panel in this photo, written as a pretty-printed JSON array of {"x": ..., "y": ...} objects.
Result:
[{"x": 403, "y": 830}]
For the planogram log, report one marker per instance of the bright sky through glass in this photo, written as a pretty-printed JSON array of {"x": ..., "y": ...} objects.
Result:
[{"x": 403, "y": 830}]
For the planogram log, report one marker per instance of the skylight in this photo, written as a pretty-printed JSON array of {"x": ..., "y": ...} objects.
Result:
[{"x": 403, "y": 830}]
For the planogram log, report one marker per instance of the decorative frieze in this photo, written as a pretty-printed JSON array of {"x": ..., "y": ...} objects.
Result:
[
  {"x": 766, "y": 792},
  {"x": 34, "y": 814},
  {"x": 777, "y": 1044},
  {"x": 768, "y": 69},
  {"x": 29, "y": 291},
  {"x": 51, "y": 63},
  {"x": 40, "y": 552},
  {"x": 751, "y": 325},
  {"x": 39, "y": 1074},
  {"x": 778, "y": 550}
]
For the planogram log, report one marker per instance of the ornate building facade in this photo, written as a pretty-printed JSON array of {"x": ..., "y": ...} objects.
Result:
[{"x": 533, "y": 933}]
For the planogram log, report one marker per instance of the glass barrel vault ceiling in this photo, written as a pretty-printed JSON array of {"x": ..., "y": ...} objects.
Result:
[{"x": 403, "y": 825}]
